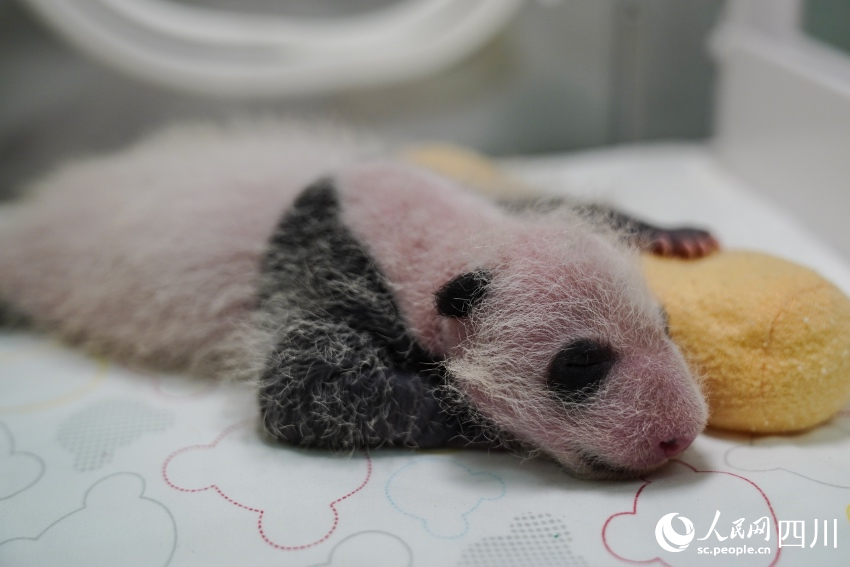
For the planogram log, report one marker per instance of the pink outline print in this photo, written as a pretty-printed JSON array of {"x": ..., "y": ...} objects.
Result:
[
  {"x": 261, "y": 511},
  {"x": 707, "y": 505}
]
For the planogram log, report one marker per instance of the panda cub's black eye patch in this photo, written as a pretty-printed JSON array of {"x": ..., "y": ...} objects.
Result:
[
  {"x": 458, "y": 297},
  {"x": 578, "y": 369}
]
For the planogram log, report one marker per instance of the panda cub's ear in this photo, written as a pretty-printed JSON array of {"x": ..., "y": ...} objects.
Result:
[{"x": 461, "y": 294}]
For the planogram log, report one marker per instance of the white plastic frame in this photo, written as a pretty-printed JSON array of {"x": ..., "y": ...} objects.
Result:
[
  {"x": 783, "y": 113},
  {"x": 215, "y": 52}
]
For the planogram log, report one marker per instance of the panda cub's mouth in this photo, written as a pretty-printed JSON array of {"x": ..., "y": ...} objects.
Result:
[{"x": 600, "y": 468}]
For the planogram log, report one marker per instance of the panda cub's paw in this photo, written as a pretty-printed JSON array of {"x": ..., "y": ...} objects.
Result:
[{"x": 681, "y": 242}]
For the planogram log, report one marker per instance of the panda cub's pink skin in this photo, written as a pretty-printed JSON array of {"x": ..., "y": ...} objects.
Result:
[
  {"x": 373, "y": 303},
  {"x": 555, "y": 280}
]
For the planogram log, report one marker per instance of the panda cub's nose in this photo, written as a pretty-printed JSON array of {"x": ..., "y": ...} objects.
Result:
[{"x": 673, "y": 446}]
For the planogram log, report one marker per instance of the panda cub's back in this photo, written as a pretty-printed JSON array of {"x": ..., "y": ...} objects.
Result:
[{"x": 151, "y": 254}]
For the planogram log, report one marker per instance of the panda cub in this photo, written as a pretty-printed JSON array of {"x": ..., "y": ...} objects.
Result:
[{"x": 372, "y": 303}]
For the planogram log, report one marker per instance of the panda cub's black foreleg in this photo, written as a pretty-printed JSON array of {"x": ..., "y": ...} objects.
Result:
[
  {"x": 683, "y": 242},
  {"x": 344, "y": 372},
  {"x": 331, "y": 386}
]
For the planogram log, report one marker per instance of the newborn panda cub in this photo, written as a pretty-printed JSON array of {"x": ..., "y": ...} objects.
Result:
[{"x": 373, "y": 303}]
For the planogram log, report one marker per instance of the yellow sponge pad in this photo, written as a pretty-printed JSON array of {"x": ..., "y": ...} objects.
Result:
[
  {"x": 771, "y": 338},
  {"x": 470, "y": 168}
]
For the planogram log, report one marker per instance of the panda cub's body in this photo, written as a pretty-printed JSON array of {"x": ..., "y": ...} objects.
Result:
[{"x": 372, "y": 302}]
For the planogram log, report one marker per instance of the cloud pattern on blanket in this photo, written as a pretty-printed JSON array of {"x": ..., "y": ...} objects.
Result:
[
  {"x": 699, "y": 496},
  {"x": 821, "y": 455},
  {"x": 442, "y": 494},
  {"x": 95, "y": 433},
  {"x": 373, "y": 548},
  {"x": 117, "y": 525},
  {"x": 534, "y": 539},
  {"x": 241, "y": 466},
  {"x": 20, "y": 470}
]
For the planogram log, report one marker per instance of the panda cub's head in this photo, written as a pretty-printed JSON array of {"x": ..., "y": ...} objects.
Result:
[{"x": 554, "y": 337}]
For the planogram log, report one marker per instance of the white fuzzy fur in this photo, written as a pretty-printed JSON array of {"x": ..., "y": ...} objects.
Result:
[{"x": 152, "y": 255}]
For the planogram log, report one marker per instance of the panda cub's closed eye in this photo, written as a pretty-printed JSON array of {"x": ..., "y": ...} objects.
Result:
[{"x": 578, "y": 369}]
